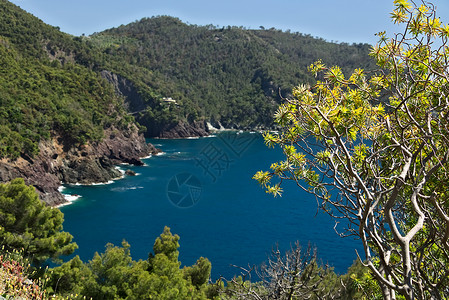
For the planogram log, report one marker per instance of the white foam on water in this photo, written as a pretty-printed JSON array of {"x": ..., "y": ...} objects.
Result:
[{"x": 70, "y": 199}]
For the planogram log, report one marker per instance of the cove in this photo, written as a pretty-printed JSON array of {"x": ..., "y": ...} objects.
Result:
[{"x": 202, "y": 189}]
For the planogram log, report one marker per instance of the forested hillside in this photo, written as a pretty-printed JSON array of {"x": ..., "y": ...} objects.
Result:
[
  {"x": 172, "y": 73},
  {"x": 232, "y": 75},
  {"x": 60, "y": 120},
  {"x": 44, "y": 92}
]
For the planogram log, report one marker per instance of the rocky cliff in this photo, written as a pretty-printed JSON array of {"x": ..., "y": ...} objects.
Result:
[
  {"x": 126, "y": 89},
  {"x": 135, "y": 104},
  {"x": 59, "y": 162},
  {"x": 183, "y": 130}
]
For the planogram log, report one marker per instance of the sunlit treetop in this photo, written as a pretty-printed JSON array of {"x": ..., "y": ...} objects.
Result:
[{"x": 373, "y": 149}]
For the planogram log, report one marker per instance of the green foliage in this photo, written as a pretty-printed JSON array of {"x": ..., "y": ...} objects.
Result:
[
  {"x": 166, "y": 244},
  {"x": 115, "y": 275},
  {"x": 199, "y": 273},
  {"x": 360, "y": 283},
  {"x": 27, "y": 223},
  {"x": 68, "y": 277},
  {"x": 230, "y": 74},
  {"x": 44, "y": 92},
  {"x": 374, "y": 151},
  {"x": 51, "y": 84},
  {"x": 168, "y": 281}
]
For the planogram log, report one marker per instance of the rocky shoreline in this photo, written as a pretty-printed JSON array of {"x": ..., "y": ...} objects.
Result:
[
  {"x": 59, "y": 163},
  {"x": 179, "y": 129}
]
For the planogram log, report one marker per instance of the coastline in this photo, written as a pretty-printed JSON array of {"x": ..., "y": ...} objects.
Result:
[{"x": 70, "y": 198}]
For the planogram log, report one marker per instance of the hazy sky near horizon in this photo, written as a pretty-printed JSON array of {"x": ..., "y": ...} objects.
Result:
[{"x": 351, "y": 21}]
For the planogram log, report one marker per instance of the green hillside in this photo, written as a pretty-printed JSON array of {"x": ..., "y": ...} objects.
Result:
[
  {"x": 232, "y": 75},
  {"x": 44, "y": 91},
  {"x": 51, "y": 83}
]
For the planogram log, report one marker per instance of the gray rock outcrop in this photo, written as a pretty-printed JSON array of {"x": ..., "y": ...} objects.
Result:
[
  {"x": 59, "y": 163},
  {"x": 183, "y": 130}
]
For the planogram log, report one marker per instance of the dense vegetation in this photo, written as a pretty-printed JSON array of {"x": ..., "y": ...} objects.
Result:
[
  {"x": 29, "y": 225},
  {"x": 31, "y": 232},
  {"x": 230, "y": 74},
  {"x": 51, "y": 86},
  {"x": 114, "y": 275},
  {"x": 51, "y": 81},
  {"x": 44, "y": 92},
  {"x": 380, "y": 163}
]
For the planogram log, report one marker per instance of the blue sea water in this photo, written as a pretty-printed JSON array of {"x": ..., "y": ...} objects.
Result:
[{"x": 202, "y": 189}]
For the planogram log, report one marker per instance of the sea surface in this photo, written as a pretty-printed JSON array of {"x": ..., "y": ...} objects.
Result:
[{"x": 202, "y": 189}]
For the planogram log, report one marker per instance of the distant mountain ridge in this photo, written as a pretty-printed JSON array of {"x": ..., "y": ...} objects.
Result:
[
  {"x": 230, "y": 75},
  {"x": 69, "y": 105}
]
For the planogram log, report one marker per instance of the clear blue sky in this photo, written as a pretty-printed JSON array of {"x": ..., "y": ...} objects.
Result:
[{"x": 334, "y": 20}]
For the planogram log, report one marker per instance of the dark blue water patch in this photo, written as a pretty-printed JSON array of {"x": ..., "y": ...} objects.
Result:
[{"x": 231, "y": 222}]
